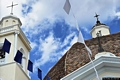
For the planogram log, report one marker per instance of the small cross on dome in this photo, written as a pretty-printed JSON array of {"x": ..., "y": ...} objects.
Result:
[{"x": 96, "y": 15}]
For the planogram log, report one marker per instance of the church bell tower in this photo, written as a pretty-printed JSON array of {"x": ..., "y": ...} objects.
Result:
[
  {"x": 99, "y": 30},
  {"x": 99, "y": 27},
  {"x": 10, "y": 29}
]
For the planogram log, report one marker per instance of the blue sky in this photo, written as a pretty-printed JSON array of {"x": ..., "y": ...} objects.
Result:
[{"x": 52, "y": 32}]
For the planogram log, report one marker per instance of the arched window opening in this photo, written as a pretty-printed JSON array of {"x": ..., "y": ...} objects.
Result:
[
  {"x": 13, "y": 22},
  {"x": 6, "y": 23},
  {"x": 23, "y": 64},
  {"x": 6, "y": 20},
  {"x": 1, "y": 24},
  {"x": 2, "y": 55}
]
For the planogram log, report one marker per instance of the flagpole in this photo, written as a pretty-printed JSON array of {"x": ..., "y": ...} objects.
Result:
[{"x": 86, "y": 48}]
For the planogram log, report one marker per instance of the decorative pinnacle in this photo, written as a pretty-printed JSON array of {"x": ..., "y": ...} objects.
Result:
[{"x": 12, "y": 7}]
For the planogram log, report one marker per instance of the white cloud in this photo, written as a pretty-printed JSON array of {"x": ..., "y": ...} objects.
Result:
[
  {"x": 44, "y": 9},
  {"x": 48, "y": 47},
  {"x": 118, "y": 14},
  {"x": 67, "y": 39},
  {"x": 33, "y": 45},
  {"x": 51, "y": 49}
]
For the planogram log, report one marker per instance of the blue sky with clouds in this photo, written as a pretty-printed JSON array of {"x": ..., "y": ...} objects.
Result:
[{"x": 52, "y": 32}]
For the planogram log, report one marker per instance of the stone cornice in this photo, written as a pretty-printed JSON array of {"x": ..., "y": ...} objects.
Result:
[
  {"x": 15, "y": 29},
  {"x": 99, "y": 63}
]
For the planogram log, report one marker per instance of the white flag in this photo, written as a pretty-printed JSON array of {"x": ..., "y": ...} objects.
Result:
[
  {"x": 88, "y": 49},
  {"x": 80, "y": 37},
  {"x": 81, "y": 40},
  {"x": 67, "y": 6}
]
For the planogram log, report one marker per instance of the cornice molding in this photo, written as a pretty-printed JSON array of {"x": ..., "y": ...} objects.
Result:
[
  {"x": 88, "y": 68},
  {"x": 13, "y": 30}
]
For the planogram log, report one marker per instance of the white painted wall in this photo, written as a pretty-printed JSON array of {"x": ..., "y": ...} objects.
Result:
[
  {"x": 8, "y": 29},
  {"x": 104, "y": 30}
]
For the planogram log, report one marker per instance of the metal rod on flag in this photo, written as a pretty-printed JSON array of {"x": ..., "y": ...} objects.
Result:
[{"x": 86, "y": 47}]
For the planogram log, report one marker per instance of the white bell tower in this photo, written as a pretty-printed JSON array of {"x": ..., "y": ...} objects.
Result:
[
  {"x": 10, "y": 28},
  {"x": 98, "y": 30},
  {"x": 99, "y": 27}
]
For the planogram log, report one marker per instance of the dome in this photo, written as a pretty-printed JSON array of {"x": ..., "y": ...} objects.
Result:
[
  {"x": 106, "y": 54},
  {"x": 98, "y": 23}
]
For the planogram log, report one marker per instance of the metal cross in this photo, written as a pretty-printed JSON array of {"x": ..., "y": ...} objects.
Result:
[
  {"x": 100, "y": 49},
  {"x": 96, "y": 15},
  {"x": 12, "y": 7}
]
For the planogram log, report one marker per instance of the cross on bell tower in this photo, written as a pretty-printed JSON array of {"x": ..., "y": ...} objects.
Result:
[
  {"x": 96, "y": 15},
  {"x": 12, "y": 7},
  {"x": 100, "y": 49}
]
